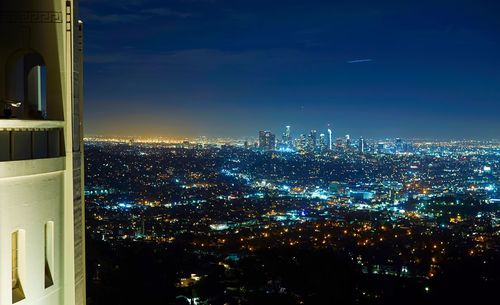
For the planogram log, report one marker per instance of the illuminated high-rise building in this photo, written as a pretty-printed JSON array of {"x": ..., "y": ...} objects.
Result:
[
  {"x": 42, "y": 259},
  {"x": 322, "y": 142},
  {"x": 329, "y": 139},
  {"x": 339, "y": 143},
  {"x": 312, "y": 140},
  {"x": 361, "y": 145},
  {"x": 301, "y": 142},
  {"x": 262, "y": 139},
  {"x": 267, "y": 140},
  {"x": 347, "y": 140},
  {"x": 287, "y": 136}
]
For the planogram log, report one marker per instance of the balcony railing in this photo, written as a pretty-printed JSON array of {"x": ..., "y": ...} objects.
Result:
[{"x": 27, "y": 140}]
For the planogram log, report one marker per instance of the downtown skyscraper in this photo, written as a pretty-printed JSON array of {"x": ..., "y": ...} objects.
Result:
[
  {"x": 329, "y": 139},
  {"x": 287, "y": 136},
  {"x": 267, "y": 140}
]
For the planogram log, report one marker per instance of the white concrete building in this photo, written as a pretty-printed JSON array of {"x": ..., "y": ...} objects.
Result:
[{"x": 42, "y": 259}]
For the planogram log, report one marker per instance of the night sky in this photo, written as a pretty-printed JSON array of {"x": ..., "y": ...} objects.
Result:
[{"x": 419, "y": 69}]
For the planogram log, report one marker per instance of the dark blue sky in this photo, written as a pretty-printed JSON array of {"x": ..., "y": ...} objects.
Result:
[{"x": 230, "y": 68}]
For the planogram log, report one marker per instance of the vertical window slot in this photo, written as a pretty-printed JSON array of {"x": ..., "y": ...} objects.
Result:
[
  {"x": 18, "y": 258},
  {"x": 49, "y": 254}
]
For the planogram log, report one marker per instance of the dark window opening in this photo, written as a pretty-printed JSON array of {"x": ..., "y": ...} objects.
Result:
[{"x": 26, "y": 90}]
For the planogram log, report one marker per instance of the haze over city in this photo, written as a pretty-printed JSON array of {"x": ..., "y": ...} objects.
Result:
[{"x": 231, "y": 68}]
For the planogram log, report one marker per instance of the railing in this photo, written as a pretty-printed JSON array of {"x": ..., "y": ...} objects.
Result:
[{"x": 27, "y": 140}]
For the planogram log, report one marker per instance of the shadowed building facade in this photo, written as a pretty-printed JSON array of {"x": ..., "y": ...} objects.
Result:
[{"x": 42, "y": 257}]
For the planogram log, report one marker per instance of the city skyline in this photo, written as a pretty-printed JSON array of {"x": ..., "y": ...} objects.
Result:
[
  {"x": 219, "y": 68},
  {"x": 280, "y": 131}
]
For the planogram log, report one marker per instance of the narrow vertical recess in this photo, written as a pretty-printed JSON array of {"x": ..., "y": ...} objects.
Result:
[
  {"x": 49, "y": 253},
  {"x": 17, "y": 265}
]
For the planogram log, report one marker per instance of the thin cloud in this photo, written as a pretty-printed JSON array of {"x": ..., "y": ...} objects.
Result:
[{"x": 356, "y": 61}]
